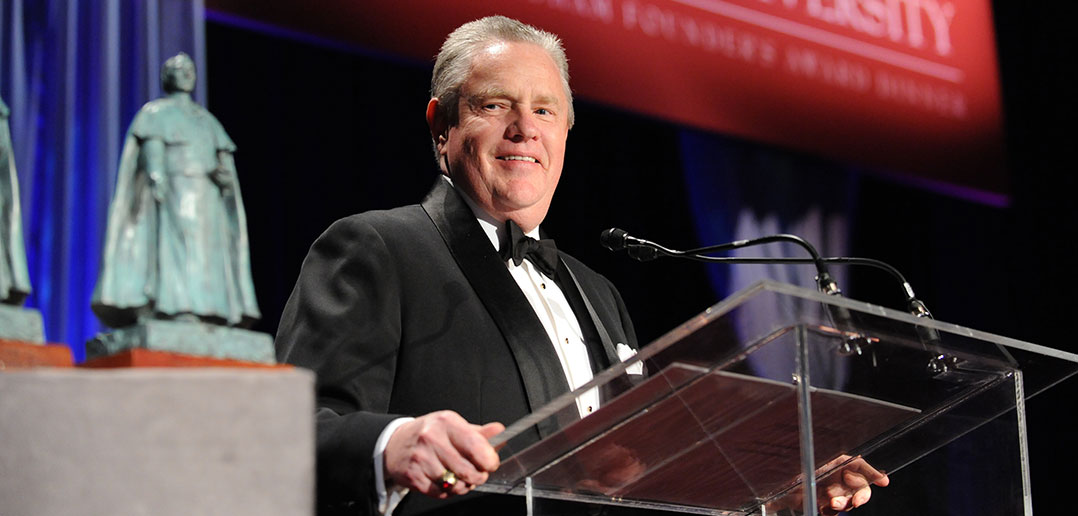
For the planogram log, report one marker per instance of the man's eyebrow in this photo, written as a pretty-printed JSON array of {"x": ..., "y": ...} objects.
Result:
[
  {"x": 498, "y": 93},
  {"x": 488, "y": 93},
  {"x": 546, "y": 100}
]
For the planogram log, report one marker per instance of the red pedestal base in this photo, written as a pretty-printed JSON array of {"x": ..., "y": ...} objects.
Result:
[
  {"x": 150, "y": 358},
  {"x": 16, "y": 354}
]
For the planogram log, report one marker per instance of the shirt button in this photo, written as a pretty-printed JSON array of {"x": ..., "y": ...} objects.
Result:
[
  {"x": 566, "y": 341},
  {"x": 589, "y": 409},
  {"x": 542, "y": 286}
]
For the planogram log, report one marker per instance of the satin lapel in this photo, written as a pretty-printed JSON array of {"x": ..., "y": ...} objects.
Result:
[
  {"x": 604, "y": 336},
  {"x": 539, "y": 366}
]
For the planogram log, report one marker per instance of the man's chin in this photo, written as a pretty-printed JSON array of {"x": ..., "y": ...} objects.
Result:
[
  {"x": 527, "y": 217},
  {"x": 518, "y": 204}
]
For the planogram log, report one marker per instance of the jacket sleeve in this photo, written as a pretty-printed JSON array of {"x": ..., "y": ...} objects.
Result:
[{"x": 343, "y": 322}]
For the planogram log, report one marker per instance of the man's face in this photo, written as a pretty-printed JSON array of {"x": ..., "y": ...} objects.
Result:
[{"x": 507, "y": 148}]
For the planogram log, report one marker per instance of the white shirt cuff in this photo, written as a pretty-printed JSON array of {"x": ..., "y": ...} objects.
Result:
[{"x": 388, "y": 496}]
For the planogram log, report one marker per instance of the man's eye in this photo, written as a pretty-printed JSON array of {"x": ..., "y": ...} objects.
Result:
[{"x": 542, "y": 111}]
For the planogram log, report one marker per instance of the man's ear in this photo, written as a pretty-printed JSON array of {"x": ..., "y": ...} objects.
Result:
[{"x": 437, "y": 122}]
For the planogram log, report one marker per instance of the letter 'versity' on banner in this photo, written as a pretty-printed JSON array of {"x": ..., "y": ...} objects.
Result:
[{"x": 902, "y": 21}]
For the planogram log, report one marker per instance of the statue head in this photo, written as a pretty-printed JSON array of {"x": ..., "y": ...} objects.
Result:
[{"x": 178, "y": 74}]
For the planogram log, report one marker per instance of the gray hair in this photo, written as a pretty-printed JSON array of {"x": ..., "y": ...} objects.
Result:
[{"x": 454, "y": 61}]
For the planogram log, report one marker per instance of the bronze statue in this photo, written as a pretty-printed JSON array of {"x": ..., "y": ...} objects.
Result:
[
  {"x": 14, "y": 279},
  {"x": 176, "y": 242}
]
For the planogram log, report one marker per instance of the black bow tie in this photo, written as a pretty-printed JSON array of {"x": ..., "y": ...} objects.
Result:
[{"x": 542, "y": 253}]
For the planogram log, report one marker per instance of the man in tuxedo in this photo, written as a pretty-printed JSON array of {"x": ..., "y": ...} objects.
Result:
[
  {"x": 421, "y": 312},
  {"x": 431, "y": 325}
]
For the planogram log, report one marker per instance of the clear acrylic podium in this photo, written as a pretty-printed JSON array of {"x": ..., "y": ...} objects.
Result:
[{"x": 752, "y": 406}]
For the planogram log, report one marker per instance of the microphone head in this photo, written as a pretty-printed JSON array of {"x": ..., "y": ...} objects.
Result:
[{"x": 613, "y": 239}]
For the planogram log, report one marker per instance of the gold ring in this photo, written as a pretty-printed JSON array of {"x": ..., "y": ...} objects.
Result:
[{"x": 449, "y": 479}]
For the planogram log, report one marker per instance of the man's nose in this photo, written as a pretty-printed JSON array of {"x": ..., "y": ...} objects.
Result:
[{"x": 522, "y": 127}]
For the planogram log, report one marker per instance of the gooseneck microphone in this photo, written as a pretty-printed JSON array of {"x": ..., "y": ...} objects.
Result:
[
  {"x": 642, "y": 250},
  {"x": 616, "y": 239}
]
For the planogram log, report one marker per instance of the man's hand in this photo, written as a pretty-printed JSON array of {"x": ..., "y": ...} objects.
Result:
[
  {"x": 420, "y": 451},
  {"x": 843, "y": 489},
  {"x": 850, "y": 486}
]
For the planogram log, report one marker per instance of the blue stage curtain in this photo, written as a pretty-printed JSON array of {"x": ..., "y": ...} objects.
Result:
[{"x": 74, "y": 74}]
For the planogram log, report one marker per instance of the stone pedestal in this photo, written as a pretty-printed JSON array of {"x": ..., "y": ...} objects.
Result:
[
  {"x": 157, "y": 442},
  {"x": 190, "y": 338},
  {"x": 22, "y": 324}
]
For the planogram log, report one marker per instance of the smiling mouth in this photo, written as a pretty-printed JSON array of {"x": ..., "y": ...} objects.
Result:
[{"x": 518, "y": 158}]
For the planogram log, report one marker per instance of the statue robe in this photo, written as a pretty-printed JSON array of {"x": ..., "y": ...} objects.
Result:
[
  {"x": 14, "y": 278},
  {"x": 185, "y": 252}
]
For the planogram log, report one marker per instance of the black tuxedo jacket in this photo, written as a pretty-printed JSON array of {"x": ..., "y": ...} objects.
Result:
[{"x": 411, "y": 310}]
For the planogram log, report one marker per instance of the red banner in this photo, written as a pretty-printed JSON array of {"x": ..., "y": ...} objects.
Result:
[{"x": 903, "y": 86}]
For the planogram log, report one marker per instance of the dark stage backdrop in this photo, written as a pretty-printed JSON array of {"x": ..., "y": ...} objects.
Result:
[{"x": 325, "y": 131}]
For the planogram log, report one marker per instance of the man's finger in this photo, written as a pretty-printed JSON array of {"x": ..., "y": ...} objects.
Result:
[
  {"x": 471, "y": 442},
  {"x": 455, "y": 454},
  {"x": 866, "y": 471},
  {"x": 463, "y": 470},
  {"x": 836, "y": 490},
  {"x": 854, "y": 480},
  {"x": 851, "y": 487},
  {"x": 459, "y": 487},
  {"x": 861, "y": 497},
  {"x": 491, "y": 429}
]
